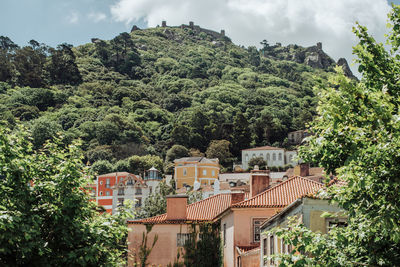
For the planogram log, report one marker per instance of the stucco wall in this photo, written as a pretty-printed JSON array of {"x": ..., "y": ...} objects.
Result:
[
  {"x": 251, "y": 259},
  {"x": 243, "y": 223},
  {"x": 165, "y": 250},
  {"x": 228, "y": 249}
]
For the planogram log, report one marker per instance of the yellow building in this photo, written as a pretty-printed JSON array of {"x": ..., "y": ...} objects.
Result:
[{"x": 192, "y": 169}]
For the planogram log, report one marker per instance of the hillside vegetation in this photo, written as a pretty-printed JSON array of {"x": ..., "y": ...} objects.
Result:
[{"x": 143, "y": 92}]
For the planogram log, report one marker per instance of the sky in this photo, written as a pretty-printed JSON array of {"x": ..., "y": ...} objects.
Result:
[{"x": 246, "y": 22}]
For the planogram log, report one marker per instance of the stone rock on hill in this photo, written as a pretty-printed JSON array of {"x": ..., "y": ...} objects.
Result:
[{"x": 346, "y": 69}]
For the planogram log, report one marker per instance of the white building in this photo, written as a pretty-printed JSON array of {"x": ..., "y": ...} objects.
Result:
[
  {"x": 135, "y": 188},
  {"x": 274, "y": 156}
]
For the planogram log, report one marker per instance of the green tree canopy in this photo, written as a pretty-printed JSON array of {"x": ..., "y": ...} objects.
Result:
[
  {"x": 357, "y": 137},
  {"x": 46, "y": 218}
]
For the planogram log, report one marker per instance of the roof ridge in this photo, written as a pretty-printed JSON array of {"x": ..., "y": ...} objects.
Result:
[
  {"x": 208, "y": 198},
  {"x": 276, "y": 186}
]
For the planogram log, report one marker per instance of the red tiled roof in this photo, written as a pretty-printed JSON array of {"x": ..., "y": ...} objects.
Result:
[
  {"x": 115, "y": 174},
  {"x": 263, "y": 148},
  {"x": 282, "y": 194},
  {"x": 203, "y": 210}
]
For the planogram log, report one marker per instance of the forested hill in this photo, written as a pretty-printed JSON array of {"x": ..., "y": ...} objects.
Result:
[{"x": 144, "y": 91}]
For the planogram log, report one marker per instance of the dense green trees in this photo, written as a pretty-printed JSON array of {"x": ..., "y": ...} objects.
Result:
[
  {"x": 143, "y": 92},
  {"x": 357, "y": 137},
  {"x": 46, "y": 218}
]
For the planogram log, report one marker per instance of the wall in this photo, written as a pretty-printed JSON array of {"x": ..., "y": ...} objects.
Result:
[
  {"x": 243, "y": 221},
  {"x": 251, "y": 258},
  {"x": 228, "y": 249},
  {"x": 264, "y": 154},
  {"x": 165, "y": 250},
  {"x": 194, "y": 170}
]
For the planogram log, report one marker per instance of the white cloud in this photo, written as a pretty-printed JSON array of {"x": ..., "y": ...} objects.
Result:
[
  {"x": 248, "y": 22},
  {"x": 73, "y": 17},
  {"x": 97, "y": 16}
]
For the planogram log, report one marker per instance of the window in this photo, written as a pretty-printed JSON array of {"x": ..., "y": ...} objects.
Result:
[
  {"x": 268, "y": 157},
  {"x": 107, "y": 193},
  {"x": 213, "y": 173},
  {"x": 265, "y": 249},
  {"x": 184, "y": 172},
  {"x": 108, "y": 183},
  {"x": 101, "y": 182},
  {"x": 271, "y": 248},
  {"x": 246, "y": 157},
  {"x": 204, "y": 172},
  {"x": 121, "y": 191},
  {"x": 224, "y": 234},
  {"x": 254, "y": 155},
  {"x": 138, "y": 191},
  {"x": 290, "y": 158},
  {"x": 335, "y": 222},
  {"x": 130, "y": 182},
  {"x": 262, "y": 155},
  {"x": 280, "y": 156},
  {"x": 138, "y": 202},
  {"x": 181, "y": 239},
  {"x": 256, "y": 229},
  {"x": 120, "y": 202},
  {"x": 101, "y": 193},
  {"x": 273, "y": 156}
]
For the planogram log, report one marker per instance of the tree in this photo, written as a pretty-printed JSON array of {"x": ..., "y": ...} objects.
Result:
[
  {"x": 156, "y": 203},
  {"x": 176, "y": 152},
  {"x": 46, "y": 218},
  {"x": 139, "y": 164},
  {"x": 220, "y": 149},
  {"x": 357, "y": 137},
  {"x": 241, "y": 134},
  {"x": 62, "y": 67},
  {"x": 259, "y": 161}
]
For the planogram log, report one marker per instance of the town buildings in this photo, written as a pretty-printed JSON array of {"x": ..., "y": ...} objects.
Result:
[
  {"x": 195, "y": 169},
  {"x": 241, "y": 222},
  {"x": 174, "y": 227},
  {"x": 274, "y": 156},
  {"x": 306, "y": 210},
  {"x": 112, "y": 189},
  {"x": 239, "y": 219},
  {"x": 296, "y": 137}
]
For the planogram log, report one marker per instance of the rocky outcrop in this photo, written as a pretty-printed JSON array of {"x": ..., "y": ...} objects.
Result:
[
  {"x": 135, "y": 28},
  {"x": 342, "y": 62}
]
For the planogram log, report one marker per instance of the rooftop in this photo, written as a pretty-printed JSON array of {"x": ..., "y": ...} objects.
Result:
[
  {"x": 263, "y": 148},
  {"x": 282, "y": 194},
  {"x": 203, "y": 210},
  {"x": 196, "y": 159}
]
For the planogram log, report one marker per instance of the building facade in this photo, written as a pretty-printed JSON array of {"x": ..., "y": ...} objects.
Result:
[
  {"x": 274, "y": 156},
  {"x": 241, "y": 223},
  {"x": 189, "y": 170},
  {"x": 307, "y": 211}
]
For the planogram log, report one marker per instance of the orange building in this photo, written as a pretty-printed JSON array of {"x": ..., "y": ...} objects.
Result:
[
  {"x": 105, "y": 182},
  {"x": 195, "y": 169}
]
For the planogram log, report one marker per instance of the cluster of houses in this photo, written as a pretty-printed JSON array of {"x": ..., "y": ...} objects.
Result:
[{"x": 242, "y": 205}]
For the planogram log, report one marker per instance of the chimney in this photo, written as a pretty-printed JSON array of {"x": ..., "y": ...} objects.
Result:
[
  {"x": 191, "y": 24},
  {"x": 176, "y": 207},
  {"x": 259, "y": 181},
  {"x": 302, "y": 169},
  {"x": 236, "y": 197},
  {"x": 319, "y": 46},
  {"x": 223, "y": 32},
  {"x": 164, "y": 23}
]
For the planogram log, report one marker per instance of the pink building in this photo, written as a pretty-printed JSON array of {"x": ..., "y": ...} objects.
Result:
[
  {"x": 173, "y": 227},
  {"x": 240, "y": 223}
]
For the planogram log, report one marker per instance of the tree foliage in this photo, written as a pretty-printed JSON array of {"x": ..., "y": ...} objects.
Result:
[
  {"x": 46, "y": 218},
  {"x": 357, "y": 137}
]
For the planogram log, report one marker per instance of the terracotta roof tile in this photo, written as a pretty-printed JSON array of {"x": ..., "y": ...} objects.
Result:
[
  {"x": 203, "y": 210},
  {"x": 282, "y": 194},
  {"x": 244, "y": 249}
]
